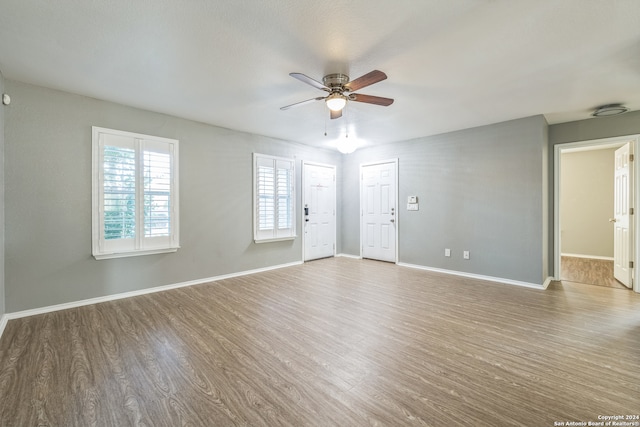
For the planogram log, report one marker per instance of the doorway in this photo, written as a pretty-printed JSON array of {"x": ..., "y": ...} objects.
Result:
[
  {"x": 378, "y": 207},
  {"x": 595, "y": 233},
  {"x": 319, "y": 210}
]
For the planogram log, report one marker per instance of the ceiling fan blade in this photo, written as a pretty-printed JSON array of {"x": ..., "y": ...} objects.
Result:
[
  {"x": 374, "y": 76},
  {"x": 308, "y": 80},
  {"x": 335, "y": 114},
  {"x": 297, "y": 104},
  {"x": 369, "y": 99}
]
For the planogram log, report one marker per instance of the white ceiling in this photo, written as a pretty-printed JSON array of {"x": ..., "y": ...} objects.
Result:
[{"x": 451, "y": 64}]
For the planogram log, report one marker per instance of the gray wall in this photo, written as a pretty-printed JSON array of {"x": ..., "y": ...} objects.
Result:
[
  {"x": 487, "y": 190},
  {"x": 48, "y": 200},
  {"x": 596, "y": 128},
  {"x": 482, "y": 190},
  {"x": 2, "y": 114},
  {"x": 586, "y": 200}
]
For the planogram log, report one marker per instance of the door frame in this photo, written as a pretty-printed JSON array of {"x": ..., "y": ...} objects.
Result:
[
  {"x": 604, "y": 143},
  {"x": 397, "y": 221},
  {"x": 335, "y": 211}
]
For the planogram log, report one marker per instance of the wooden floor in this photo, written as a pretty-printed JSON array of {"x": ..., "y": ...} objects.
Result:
[
  {"x": 590, "y": 271},
  {"x": 335, "y": 342}
]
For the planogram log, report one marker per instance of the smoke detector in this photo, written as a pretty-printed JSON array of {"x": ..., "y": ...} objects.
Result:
[{"x": 610, "y": 110}]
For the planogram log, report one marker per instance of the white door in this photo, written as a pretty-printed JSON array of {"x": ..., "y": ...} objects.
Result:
[
  {"x": 319, "y": 214},
  {"x": 622, "y": 249},
  {"x": 379, "y": 211}
]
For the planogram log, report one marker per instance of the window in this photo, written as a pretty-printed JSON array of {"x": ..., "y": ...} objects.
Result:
[
  {"x": 135, "y": 194},
  {"x": 274, "y": 198}
]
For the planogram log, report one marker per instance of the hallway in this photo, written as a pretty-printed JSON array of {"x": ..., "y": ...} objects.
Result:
[{"x": 589, "y": 271}]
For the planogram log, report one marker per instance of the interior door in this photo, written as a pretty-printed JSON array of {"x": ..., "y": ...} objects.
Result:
[
  {"x": 622, "y": 249},
  {"x": 319, "y": 211},
  {"x": 379, "y": 211}
]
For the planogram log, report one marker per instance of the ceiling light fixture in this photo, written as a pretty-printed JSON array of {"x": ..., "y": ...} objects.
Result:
[
  {"x": 610, "y": 110},
  {"x": 346, "y": 145},
  {"x": 336, "y": 101}
]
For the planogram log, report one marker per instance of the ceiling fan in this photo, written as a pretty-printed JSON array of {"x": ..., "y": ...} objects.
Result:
[{"x": 341, "y": 90}]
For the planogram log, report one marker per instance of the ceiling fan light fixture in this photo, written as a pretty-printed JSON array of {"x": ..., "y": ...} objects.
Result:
[
  {"x": 610, "y": 110},
  {"x": 336, "y": 101}
]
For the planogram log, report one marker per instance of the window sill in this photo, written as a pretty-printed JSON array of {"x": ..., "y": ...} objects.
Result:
[
  {"x": 279, "y": 239},
  {"x": 135, "y": 253}
]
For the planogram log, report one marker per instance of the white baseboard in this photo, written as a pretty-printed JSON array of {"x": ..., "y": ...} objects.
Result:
[
  {"x": 64, "y": 306},
  {"x": 349, "y": 256},
  {"x": 48, "y": 309},
  {"x": 547, "y": 282},
  {"x": 606, "y": 258},
  {"x": 478, "y": 276},
  {"x": 3, "y": 322}
]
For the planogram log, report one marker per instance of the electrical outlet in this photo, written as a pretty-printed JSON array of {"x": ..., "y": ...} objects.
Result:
[
  {"x": 465, "y": 254},
  {"x": 447, "y": 252}
]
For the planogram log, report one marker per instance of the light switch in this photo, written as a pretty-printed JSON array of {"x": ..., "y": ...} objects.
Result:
[{"x": 412, "y": 206}]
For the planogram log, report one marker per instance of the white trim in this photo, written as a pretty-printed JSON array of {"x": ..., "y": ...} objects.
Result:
[
  {"x": 592, "y": 144},
  {"x": 52, "y": 308},
  {"x": 135, "y": 253},
  {"x": 348, "y": 256},
  {"x": 593, "y": 147},
  {"x": 605, "y": 258},
  {"x": 480, "y": 277},
  {"x": 74, "y": 304},
  {"x": 276, "y": 239},
  {"x": 3, "y": 322},
  {"x": 397, "y": 216}
]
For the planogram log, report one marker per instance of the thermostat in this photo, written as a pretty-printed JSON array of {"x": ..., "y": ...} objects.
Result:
[{"x": 412, "y": 199}]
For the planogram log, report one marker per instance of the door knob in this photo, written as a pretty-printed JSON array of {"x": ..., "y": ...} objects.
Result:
[{"x": 613, "y": 220}]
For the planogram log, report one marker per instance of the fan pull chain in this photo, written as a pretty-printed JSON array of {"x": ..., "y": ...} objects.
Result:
[
  {"x": 346, "y": 120},
  {"x": 325, "y": 125}
]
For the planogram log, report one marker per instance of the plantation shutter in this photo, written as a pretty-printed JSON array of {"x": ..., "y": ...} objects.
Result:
[
  {"x": 118, "y": 193},
  {"x": 135, "y": 194},
  {"x": 274, "y": 198},
  {"x": 158, "y": 177}
]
